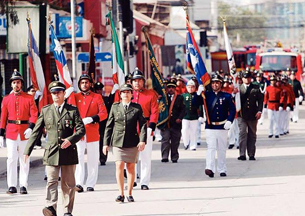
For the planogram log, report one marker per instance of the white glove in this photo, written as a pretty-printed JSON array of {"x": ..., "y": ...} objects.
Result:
[
  {"x": 68, "y": 92},
  {"x": 27, "y": 133},
  {"x": 227, "y": 125},
  {"x": 37, "y": 94},
  {"x": 1, "y": 141},
  {"x": 280, "y": 108},
  {"x": 200, "y": 89},
  {"x": 301, "y": 98},
  {"x": 288, "y": 109},
  {"x": 87, "y": 120},
  {"x": 201, "y": 120},
  {"x": 114, "y": 88}
]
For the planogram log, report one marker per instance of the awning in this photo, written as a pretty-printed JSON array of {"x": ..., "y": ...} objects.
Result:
[{"x": 7, "y": 56}]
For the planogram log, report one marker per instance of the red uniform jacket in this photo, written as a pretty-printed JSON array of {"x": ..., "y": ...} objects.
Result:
[
  {"x": 149, "y": 102},
  {"x": 273, "y": 98},
  {"x": 290, "y": 95},
  {"x": 91, "y": 105},
  {"x": 17, "y": 107}
]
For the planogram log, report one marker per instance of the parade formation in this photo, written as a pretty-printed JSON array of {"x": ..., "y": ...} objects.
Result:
[{"x": 79, "y": 128}]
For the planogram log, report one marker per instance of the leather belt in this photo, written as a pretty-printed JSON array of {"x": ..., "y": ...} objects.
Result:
[
  {"x": 18, "y": 122},
  {"x": 219, "y": 123}
]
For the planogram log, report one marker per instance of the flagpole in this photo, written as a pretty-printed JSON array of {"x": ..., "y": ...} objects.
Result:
[
  {"x": 72, "y": 4},
  {"x": 202, "y": 93}
]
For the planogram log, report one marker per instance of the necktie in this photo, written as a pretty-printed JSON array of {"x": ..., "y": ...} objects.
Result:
[
  {"x": 125, "y": 108},
  {"x": 58, "y": 110}
]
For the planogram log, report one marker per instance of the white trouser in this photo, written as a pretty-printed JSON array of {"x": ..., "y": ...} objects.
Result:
[
  {"x": 273, "y": 116},
  {"x": 286, "y": 121},
  {"x": 295, "y": 115},
  {"x": 216, "y": 141},
  {"x": 145, "y": 160},
  {"x": 15, "y": 149},
  {"x": 282, "y": 120},
  {"x": 92, "y": 162},
  {"x": 199, "y": 132},
  {"x": 261, "y": 120},
  {"x": 189, "y": 133},
  {"x": 233, "y": 133}
]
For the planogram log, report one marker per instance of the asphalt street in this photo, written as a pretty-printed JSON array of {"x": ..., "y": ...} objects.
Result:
[{"x": 274, "y": 184}]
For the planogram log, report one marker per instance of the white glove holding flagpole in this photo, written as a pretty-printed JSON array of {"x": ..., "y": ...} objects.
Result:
[
  {"x": 27, "y": 133},
  {"x": 200, "y": 89},
  {"x": 87, "y": 120},
  {"x": 288, "y": 109},
  {"x": 114, "y": 88},
  {"x": 1, "y": 141},
  {"x": 37, "y": 94},
  {"x": 68, "y": 92},
  {"x": 301, "y": 98},
  {"x": 227, "y": 125},
  {"x": 201, "y": 120},
  {"x": 280, "y": 108}
]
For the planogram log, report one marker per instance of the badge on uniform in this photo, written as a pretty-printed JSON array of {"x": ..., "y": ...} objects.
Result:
[
  {"x": 68, "y": 123},
  {"x": 187, "y": 98},
  {"x": 220, "y": 101}
]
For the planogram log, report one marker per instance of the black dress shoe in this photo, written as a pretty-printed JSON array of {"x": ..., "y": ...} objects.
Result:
[
  {"x": 144, "y": 187},
  {"x": 198, "y": 143},
  {"x": 103, "y": 163},
  {"x": 130, "y": 199},
  {"x": 12, "y": 190},
  {"x": 209, "y": 173},
  {"x": 135, "y": 184},
  {"x": 242, "y": 158},
  {"x": 79, "y": 188},
  {"x": 223, "y": 174},
  {"x": 252, "y": 158},
  {"x": 120, "y": 199},
  {"x": 59, "y": 178},
  {"x": 90, "y": 189},
  {"x": 237, "y": 147},
  {"x": 68, "y": 214},
  {"x": 45, "y": 178},
  {"x": 164, "y": 160},
  {"x": 23, "y": 190},
  {"x": 270, "y": 136},
  {"x": 193, "y": 149},
  {"x": 231, "y": 146},
  {"x": 186, "y": 147},
  {"x": 175, "y": 161},
  {"x": 49, "y": 211},
  {"x": 281, "y": 134},
  {"x": 277, "y": 136}
]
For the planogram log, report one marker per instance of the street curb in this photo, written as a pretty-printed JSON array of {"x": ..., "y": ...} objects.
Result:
[{"x": 34, "y": 163}]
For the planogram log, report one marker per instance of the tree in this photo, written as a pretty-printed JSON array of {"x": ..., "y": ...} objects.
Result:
[
  {"x": 5, "y": 9},
  {"x": 240, "y": 21}
]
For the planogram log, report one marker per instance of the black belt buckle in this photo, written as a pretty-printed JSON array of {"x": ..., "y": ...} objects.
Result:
[{"x": 18, "y": 122}]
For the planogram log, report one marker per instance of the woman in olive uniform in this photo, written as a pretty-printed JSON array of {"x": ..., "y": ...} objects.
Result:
[{"x": 121, "y": 132}]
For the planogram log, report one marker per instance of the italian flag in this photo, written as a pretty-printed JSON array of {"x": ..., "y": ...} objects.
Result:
[{"x": 118, "y": 75}]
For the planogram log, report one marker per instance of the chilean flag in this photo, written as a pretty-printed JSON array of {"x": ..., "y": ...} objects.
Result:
[
  {"x": 61, "y": 64},
  {"x": 195, "y": 63},
  {"x": 36, "y": 70}
]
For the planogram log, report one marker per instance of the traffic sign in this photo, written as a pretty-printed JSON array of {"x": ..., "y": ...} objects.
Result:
[{"x": 99, "y": 57}]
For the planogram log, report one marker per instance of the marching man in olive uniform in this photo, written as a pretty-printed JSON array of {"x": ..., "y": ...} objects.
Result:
[
  {"x": 92, "y": 109},
  {"x": 221, "y": 113},
  {"x": 65, "y": 128},
  {"x": 171, "y": 134},
  {"x": 18, "y": 118},
  {"x": 148, "y": 101}
]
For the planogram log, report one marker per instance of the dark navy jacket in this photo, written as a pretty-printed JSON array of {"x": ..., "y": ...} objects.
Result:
[{"x": 224, "y": 109}]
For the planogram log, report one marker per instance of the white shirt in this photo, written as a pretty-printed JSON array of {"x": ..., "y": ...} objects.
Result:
[{"x": 126, "y": 105}]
